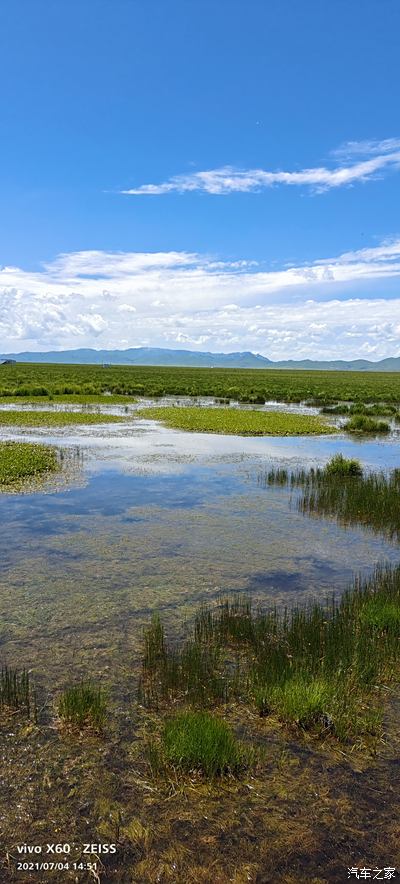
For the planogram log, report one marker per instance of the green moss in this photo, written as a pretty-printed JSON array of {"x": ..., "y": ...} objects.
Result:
[{"x": 238, "y": 422}]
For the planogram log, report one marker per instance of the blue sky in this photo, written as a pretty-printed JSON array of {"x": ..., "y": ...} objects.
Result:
[{"x": 219, "y": 176}]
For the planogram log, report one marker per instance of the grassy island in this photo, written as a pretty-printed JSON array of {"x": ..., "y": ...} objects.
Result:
[
  {"x": 54, "y": 418},
  {"x": 235, "y": 422}
]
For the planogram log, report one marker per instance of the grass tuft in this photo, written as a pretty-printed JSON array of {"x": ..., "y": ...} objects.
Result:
[
  {"x": 343, "y": 467},
  {"x": 198, "y": 741},
  {"x": 82, "y": 705}
]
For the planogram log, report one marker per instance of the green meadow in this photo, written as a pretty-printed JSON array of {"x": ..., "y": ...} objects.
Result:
[{"x": 247, "y": 385}]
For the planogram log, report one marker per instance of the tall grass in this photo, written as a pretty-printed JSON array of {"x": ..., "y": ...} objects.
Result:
[
  {"x": 315, "y": 666},
  {"x": 189, "y": 672},
  {"x": 343, "y": 490}
]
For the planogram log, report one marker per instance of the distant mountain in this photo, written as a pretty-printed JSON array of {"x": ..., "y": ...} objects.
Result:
[{"x": 158, "y": 356}]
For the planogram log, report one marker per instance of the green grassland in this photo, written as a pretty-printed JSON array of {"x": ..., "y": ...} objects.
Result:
[
  {"x": 22, "y": 460},
  {"x": 232, "y": 421},
  {"x": 54, "y": 418},
  {"x": 324, "y": 387}
]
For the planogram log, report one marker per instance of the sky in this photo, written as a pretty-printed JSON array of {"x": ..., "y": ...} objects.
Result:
[{"x": 201, "y": 175}]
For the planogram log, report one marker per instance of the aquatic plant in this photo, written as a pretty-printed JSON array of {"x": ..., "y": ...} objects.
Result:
[
  {"x": 83, "y": 705},
  {"x": 16, "y": 691},
  {"x": 22, "y": 460},
  {"x": 238, "y": 422},
  {"x": 342, "y": 489}
]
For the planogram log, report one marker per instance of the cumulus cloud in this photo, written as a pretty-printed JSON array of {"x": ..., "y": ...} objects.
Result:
[
  {"x": 364, "y": 159},
  {"x": 333, "y": 307}
]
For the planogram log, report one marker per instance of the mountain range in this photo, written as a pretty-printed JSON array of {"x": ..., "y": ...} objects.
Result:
[{"x": 159, "y": 356}]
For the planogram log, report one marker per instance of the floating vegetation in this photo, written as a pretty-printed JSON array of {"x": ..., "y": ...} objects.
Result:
[
  {"x": 241, "y": 423},
  {"x": 315, "y": 666},
  {"x": 16, "y": 691},
  {"x": 83, "y": 705},
  {"x": 343, "y": 490},
  {"x": 360, "y": 423},
  {"x": 198, "y": 741},
  {"x": 24, "y": 460},
  {"x": 55, "y": 418}
]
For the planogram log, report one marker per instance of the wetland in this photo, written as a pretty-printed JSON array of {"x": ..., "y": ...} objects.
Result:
[{"x": 164, "y": 566}]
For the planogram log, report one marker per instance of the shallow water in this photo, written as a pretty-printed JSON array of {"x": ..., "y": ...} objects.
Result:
[{"x": 163, "y": 520}]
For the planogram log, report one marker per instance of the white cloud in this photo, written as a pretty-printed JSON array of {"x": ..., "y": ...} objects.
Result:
[
  {"x": 332, "y": 307},
  {"x": 373, "y": 157}
]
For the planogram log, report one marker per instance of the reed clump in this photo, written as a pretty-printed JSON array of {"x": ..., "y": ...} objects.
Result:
[{"x": 83, "y": 706}]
